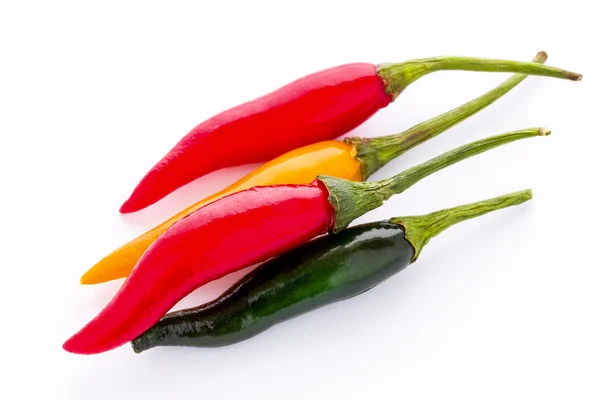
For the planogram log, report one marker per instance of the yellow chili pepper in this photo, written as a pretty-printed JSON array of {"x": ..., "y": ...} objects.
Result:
[{"x": 353, "y": 159}]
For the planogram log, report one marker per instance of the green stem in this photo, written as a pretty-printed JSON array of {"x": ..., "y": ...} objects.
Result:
[
  {"x": 374, "y": 153},
  {"x": 398, "y": 76},
  {"x": 353, "y": 199},
  {"x": 420, "y": 229}
]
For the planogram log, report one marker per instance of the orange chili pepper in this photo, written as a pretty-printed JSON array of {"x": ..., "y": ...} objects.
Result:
[{"x": 353, "y": 159}]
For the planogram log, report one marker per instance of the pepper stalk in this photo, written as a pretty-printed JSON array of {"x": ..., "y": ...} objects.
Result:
[
  {"x": 374, "y": 153},
  {"x": 419, "y": 230},
  {"x": 398, "y": 76},
  {"x": 353, "y": 199}
]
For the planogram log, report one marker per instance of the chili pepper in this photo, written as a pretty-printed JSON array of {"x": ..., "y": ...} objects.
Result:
[
  {"x": 324, "y": 271},
  {"x": 355, "y": 159},
  {"x": 320, "y": 106},
  {"x": 240, "y": 230}
]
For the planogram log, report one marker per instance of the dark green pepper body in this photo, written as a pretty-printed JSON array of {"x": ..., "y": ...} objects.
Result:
[{"x": 323, "y": 271}]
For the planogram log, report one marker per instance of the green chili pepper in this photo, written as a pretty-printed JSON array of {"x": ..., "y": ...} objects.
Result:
[{"x": 326, "y": 270}]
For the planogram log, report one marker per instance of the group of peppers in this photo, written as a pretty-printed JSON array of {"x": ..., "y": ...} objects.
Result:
[{"x": 292, "y": 213}]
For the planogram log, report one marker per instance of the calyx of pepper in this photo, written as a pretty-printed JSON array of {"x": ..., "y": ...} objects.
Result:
[
  {"x": 374, "y": 153},
  {"x": 418, "y": 230},
  {"x": 351, "y": 200},
  {"x": 398, "y": 76}
]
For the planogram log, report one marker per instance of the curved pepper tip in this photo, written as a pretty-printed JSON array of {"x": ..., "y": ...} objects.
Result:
[
  {"x": 139, "y": 199},
  {"x": 87, "y": 279},
  {"x": 90, "y": 277},
  {"x": 86, "y": 343},
  {"x": 73, "y": 345},
  {"x": 128, "y": 207},
  {"x": 100, "y": 274},
  {"x": 68, "y": 346}
]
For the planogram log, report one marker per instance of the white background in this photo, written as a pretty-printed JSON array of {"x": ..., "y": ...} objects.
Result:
[{"x": 505, "y": 306}]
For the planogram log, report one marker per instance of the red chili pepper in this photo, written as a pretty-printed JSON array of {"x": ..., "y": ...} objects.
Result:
[
  {"x": 243, "y": 229},
  {"x": 317, "y": 107}
]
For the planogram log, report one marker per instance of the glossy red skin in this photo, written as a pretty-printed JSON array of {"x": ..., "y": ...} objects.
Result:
[
  {"x": 317, "y": 107},
  {"x": 222, "y": 237}
]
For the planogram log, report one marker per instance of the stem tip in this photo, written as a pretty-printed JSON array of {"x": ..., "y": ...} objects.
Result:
[
  {"x": 544, "y": 131},
  {"x": 420, "y": 229},
  {"x": 541, "y": 56}
]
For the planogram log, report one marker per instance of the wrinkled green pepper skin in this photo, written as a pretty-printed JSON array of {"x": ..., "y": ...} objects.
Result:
[{"x": 326, "y": 270}]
